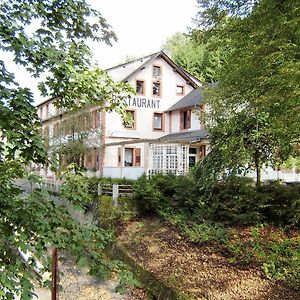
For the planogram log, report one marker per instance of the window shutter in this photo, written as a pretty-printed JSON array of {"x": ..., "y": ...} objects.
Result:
[
  {"x": 119, "y": 157},
  {"x": 97, "y": 119},
  {"x": 137, "y": 157},
  {"x": 181, "y": 120},
  {"x": 188, "y": 121},
  {"x": 202, "y": 151}
]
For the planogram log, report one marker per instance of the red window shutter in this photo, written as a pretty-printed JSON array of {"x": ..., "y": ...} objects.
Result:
[
  {"x": 119, "y": 157},
  {"x": 188, "y": 121},
  {"x": 202, "y": 151},
  {"x": 137, "y": 157},
  {"x": 181, "y": 120},
  {"x": 97, "y": 119}
]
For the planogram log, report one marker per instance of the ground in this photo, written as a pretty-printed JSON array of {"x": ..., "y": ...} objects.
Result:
[{"x": 201, "y": 272}]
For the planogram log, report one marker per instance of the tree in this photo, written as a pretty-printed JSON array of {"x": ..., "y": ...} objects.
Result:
[
  {"x": 195, "y": 54},
  {"x": 74, "y": 136},
  {"x": 46, "y": 37},
  {"x": 254, "y": 115}
]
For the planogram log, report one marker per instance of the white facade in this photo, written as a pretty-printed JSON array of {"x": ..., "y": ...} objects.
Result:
[
  {"x": 145, "y": 106},
  {"x": 129, "y": 150}
]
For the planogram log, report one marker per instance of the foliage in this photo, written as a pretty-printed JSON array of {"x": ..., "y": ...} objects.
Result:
[
  {"x": 75, "y": 188},
  {"x": 48, "y": 38},
  {"x": 161, "y": 192},
  {"x": 276, "y": 251},
  {"x": 233, "y": 200},
  {"x": 220, "y": 211},
  {"x": 258, "y": 89},
  {"x": 74, "y": 136},
  {"x": 206, "y": 232},
  {"x": 197, "y": 56}
]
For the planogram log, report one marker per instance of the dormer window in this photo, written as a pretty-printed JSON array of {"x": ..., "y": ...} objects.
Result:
[{"x": 156, "y": 71}]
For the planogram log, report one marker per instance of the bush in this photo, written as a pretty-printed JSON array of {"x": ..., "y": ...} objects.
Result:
[
  {"x": 238, "y": 201},
  {"x": 281, "y": 203},
  {"x": 234, "y": 201},
  {"x": 164, "y": 192}
]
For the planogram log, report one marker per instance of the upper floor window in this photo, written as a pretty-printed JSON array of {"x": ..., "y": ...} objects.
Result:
[
  {"x": 158, "y": 121},
  {"x": 130, "y": 121},
  {"x": 156, "y": 72},
  {"x": 179, "y": 89},
  {"x": 185, "y": 119},
  {"x": 140, "y": 87},
  {"x": 156, "y": 89}
]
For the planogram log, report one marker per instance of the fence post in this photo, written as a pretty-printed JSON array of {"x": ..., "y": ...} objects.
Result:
[{"x": 115, "y": 190}]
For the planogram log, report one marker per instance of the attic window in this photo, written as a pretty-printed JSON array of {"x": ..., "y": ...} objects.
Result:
[
  {"x": 179, "y": 89},
  {"x": 156, "y": 71}
]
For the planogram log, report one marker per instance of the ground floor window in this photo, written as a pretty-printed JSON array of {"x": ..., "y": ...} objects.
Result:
[
  {"x": 128, "y": 157},
  {"x": 132, "y": 157},
  {"x": 192, "y": 157}
]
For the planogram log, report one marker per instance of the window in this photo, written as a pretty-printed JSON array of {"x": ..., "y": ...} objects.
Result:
[
  {"x": 185, "y": 119},
  {"x": 192, "y": 157},
  {"x": 156, "y": 89},
  {"x": 132, "y": 157},
  {"x": 140, "y": 87},
  {"x": 156, "y": 71},
  {"x": 130, "y": 121},
  {"x": 179, "y": 89},
  {"x": 128, "y": 157},
  {"x": 47, "y": 110},
  {"x": 158, "y": 121}
]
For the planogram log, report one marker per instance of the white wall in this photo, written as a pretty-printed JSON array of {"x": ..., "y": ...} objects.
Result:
[{"x": 144, "y": 115}]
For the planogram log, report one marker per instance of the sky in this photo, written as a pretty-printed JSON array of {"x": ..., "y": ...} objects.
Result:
[{"x": 141, "y": 26}]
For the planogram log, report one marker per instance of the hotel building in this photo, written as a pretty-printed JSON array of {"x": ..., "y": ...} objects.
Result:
[{"x": 166, "y": 134}]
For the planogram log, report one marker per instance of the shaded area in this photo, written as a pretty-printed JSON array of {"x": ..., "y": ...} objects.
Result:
[{"x": 200, "y": 272}]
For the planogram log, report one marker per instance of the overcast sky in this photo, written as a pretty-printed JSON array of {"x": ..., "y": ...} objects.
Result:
[{"x": 142, "y": 26}]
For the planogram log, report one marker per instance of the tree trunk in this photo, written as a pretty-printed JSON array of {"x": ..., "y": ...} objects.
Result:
[{"x": 258, "y": 170}]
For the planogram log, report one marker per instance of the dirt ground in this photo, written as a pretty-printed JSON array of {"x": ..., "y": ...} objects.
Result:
[
  {"x": 201, "y": 272},
  {"x": 76, "y": 284}
]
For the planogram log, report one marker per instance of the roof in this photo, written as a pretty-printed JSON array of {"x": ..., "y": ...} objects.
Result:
[
  {"x": 45, "y": 101},
  {"x": 123, "y": 72},
  {"x": 194, "y": 98},
  {"x": 191, "y": 136}
]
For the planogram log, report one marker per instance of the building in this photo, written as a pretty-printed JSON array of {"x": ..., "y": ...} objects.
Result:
[{"x": 166, "y": 134}]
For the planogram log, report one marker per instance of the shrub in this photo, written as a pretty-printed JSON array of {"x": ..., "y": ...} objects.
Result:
[
  {"x": 206, "y": 232},
  {"x": 281, "y": 203},
  {"x": 234, "y": 201}
]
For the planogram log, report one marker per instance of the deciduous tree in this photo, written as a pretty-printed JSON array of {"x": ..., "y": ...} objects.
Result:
[
  {"x": 47, "y": 38},
  {"x": 255, "y": 110}
]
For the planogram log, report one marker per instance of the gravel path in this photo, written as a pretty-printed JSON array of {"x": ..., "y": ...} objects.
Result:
[{"x": 78, "y": 285}]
